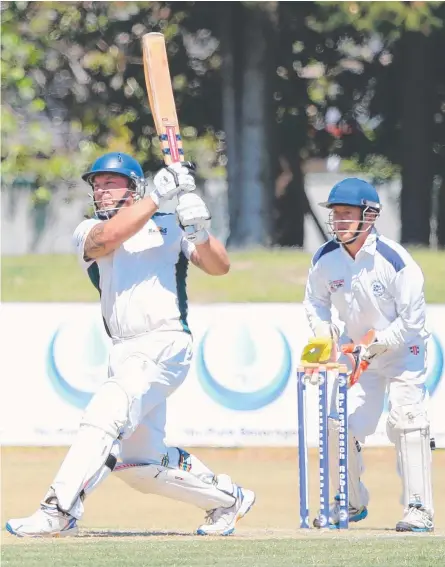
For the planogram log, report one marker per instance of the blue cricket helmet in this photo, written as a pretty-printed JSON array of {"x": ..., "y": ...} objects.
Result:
[
  {"x": 116, "y": 162},
  {"x": 354, "y": 192}
]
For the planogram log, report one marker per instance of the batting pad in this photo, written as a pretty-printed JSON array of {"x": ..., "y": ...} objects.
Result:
[{"x": 206, "y": 491}]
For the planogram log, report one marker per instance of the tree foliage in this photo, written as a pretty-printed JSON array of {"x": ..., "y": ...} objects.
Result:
[
  {"x": 361, "y": 80},
  {"x": 391, "y": 98},
  {"x": 73, "y": 85}
]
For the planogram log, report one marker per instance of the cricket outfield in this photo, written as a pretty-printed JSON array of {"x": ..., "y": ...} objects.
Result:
[{"x": 122, "y": 527}]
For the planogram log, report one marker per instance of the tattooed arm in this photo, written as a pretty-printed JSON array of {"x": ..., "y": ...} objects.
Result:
[
  {"x": 98, "y": 243},
  {"x": 104, "y": 237}
]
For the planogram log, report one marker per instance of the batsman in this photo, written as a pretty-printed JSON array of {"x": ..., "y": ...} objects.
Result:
[
  {"x": 137, "y": 257},
  {"x": 376, "y": 289}
]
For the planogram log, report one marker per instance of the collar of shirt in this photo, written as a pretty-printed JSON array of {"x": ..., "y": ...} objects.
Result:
[{"x": 369, "y": 247}]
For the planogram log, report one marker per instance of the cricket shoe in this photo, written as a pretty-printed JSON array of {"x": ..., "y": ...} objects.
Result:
[
  {"x": 222, "y": 521},
  {"x": 416, "y": 519},
  {"x": 48, "y": 521},
  {"x": 355, "y": 514}
]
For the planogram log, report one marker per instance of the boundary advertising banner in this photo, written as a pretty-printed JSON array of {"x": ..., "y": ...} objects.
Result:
[{"x": 241, "y": 390}]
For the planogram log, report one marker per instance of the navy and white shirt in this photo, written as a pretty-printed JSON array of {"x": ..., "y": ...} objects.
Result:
[
  {"x": 381, "y": 289},
  {"x": 142, "y": 284}
]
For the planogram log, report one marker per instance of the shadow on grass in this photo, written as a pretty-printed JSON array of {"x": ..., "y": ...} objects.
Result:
[{"x": 131, "y": 533}]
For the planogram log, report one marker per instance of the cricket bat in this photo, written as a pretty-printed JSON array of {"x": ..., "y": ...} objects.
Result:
[{"x": 160, "y": 96}]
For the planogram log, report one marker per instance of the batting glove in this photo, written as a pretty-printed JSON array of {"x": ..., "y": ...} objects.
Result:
[
  {"x": 172, "y": 180},
  {"x": 193, "y": 217}
]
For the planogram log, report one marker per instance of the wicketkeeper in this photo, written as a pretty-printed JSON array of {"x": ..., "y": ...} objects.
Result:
[{"x": 377, "y": 290}]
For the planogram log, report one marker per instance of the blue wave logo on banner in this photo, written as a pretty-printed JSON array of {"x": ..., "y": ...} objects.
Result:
[
  {"x": 243, "y": 367},
  {"x": 77, "y": 361}
]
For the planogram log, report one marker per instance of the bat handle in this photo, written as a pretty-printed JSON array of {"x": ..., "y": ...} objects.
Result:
[{"x": 171, "y": 144}]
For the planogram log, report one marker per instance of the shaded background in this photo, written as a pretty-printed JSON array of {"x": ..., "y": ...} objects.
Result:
[{"x": 276, "y": 100}]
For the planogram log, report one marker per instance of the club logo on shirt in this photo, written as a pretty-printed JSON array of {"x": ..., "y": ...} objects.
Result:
[
  {"x": 414, "y": 350},
  {"x": 334, "y": 285},
  {"x": 377, "y": 288}
]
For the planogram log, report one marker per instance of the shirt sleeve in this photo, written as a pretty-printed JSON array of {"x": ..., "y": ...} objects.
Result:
[
  {"x": 317, "y": 303},
  {"x": 79, "y": 238},
  {"x": 187, "y": 247},
  {"x": 407, "y": 290}
]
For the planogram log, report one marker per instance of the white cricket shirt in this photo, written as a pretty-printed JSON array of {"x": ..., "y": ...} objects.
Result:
[
  {"x": 381, "y": 289},
  {"x": 142, "y": 284}
]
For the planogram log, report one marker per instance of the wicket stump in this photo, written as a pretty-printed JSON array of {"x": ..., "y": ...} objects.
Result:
[{"x": 303, "y": 378}]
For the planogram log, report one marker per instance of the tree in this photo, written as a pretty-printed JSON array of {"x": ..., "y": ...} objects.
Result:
[
  {"x": 260, "y": 87},
  {"x": 73, "y": 85},
  {"x": 396, "y": 87},
  {"x": 247, "y": 106},
  {"x": 28, "y": 142},
  {"x": 298, "y": 67}
]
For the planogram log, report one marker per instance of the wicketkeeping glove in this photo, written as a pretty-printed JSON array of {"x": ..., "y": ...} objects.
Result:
[
  {"x": 317, "y": 350},
  {"x": 362, "y": 355}
]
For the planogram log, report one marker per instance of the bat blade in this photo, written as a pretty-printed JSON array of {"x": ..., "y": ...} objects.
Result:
[{"x": 160, "y": 96}]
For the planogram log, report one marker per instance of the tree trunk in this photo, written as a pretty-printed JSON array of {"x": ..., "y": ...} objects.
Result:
[
  {"x": 417, "y": 86},
  {"x": 255, "y": 165},
  {"x": 441, "y": 214},
  {"x": 232, "y": 24},
  {"x": 291, "y": 205},
  {"x": 246, "y": 105}
]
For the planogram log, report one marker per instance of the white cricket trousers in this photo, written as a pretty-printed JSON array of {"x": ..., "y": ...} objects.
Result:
[
  {"x": 402, "y": 378},
  {"x": 169, "y": 354}
]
